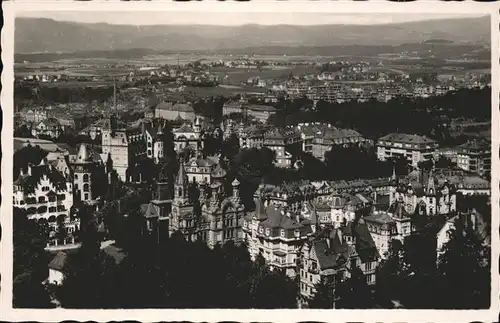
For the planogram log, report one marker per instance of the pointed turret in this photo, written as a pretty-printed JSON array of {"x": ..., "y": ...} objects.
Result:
[
  {"x": 83, "y": 155},
  {"x": 181, "y": 178},
  {"x": 431, "y": 184},
  {"x": 236, "y": 188}
]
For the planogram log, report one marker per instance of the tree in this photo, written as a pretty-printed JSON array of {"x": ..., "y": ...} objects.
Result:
[
  {"x": 30, "y": 263},
  {"x": 355, "y": 293},
  {"x": 91, "y": 278},
  {"x": 464, "y": 270},
  {"x": 323, "y": 297}
]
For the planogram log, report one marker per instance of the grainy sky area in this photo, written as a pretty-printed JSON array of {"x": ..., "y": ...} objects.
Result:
[{"x": 234, "y": 18}]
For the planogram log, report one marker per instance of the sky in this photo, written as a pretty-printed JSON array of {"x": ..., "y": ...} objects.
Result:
[{"x": 233, "y": 18}]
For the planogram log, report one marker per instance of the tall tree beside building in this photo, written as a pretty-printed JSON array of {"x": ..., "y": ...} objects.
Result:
[
  {"x": 323, "y": 298},
  {"x": 354, "y": 293},
  {"x": 91, "y": 279},
  {"x": 464, "y": 271},
  {"x": 30, "y": 263}
]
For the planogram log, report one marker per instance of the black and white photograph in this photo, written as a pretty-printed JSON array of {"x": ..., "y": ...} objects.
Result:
[{"x": 252, "y": 160}]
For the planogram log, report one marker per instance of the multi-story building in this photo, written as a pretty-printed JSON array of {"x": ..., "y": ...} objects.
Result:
[
  {"x": 331, "y": 255},
  {"x": 49, "y": 127},
  {"x": 155, "y": 142},
  {"x": 412, "y": 147},
  {"x": 199, "y": 169},
  {"x": 421, "y": 193},
  {"x": 290, "y": 196},
  {"x": 345, "y": 206},
  {"x": 285, "y": 143},
  {"x": 278, "y": 234},
  {"x": 83, "y": 173},
  {"x": 475, "y": 156},
  {"x": 189, "y": 135},
  {"x": 214, "y": 218},
  {"x": 386, "y": 226},
  {"x": 156, "y": 213},
  {"x": 124, "y": 146},
  {"x": 259, "y": 112},
  {"x": 318, "y": 138},
  {"x": 47, "y": 196},
  {"x": 251, "y": 137},
  {"x": 171, "y": 111},
  {"x": 34, "y": 115}
]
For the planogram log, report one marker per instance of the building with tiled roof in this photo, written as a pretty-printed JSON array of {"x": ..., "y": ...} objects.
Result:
[
  {"x": 258, "y": 111},
  {"x": 284, "y": 142},
  {"x": 50, "y": 127},
  {"x": 413, "y": 147},
  {"x": 251, "y": 136},
  {"x": 154, "y": 136},
  {"x": 189, "y": 135},
  {"x": 475, "y": 156},
  {"x": 124, "y": 145},
  {"x": 47, "y": 196},
  {"x": 46, "y": 145},
  {"x": 277, "y": 234},
  {"x": 421, "y": 192},
  {"x": 56, "y": 268},
  {"x": 171, "y": 111},
  {"x": 199, "y": 169},
  {"x": 318, "y": 138},
  {"x": 215, "y": 217},
  {"x": 331, "y": 255}
]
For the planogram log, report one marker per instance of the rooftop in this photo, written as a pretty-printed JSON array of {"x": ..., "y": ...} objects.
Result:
[{"x": 407, "y": 138}]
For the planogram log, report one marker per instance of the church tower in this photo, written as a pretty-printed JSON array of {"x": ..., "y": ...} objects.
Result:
[
  {"x": 181, "y": 186},
  {"x": 158, "y": 145},
  {"x": 83, "y": 174},
  {"x": 161, "y": 197},
  {"x": 431, "y": 195}
]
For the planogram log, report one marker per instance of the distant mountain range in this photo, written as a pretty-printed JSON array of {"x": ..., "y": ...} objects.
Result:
[{"x": 38, "y": 35}]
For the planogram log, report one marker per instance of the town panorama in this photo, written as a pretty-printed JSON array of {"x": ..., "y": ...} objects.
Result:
[{"x": 252, "y": 166}]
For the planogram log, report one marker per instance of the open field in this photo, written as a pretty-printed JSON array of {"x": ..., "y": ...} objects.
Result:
[{"x": 236, "y": 76}]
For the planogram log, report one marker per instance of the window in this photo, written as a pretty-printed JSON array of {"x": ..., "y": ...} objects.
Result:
[
  {"x": 261, "y": 230},
  {"x": 52, "y": 198},
  {"x": 267, "y": 231},
  {"x": 52, "y": 209},
  {"x": 85, "y": 177},
  {"x": 76, "y": 176},
  {"x": 283, "y": 233},
  {"x": 41, "y": 199},
  {"x": 86, "y": 196},
  {"x": 368, "y": 265}
]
